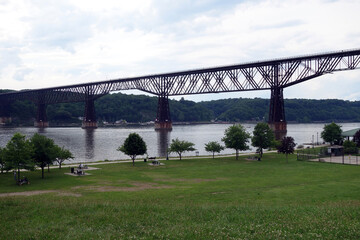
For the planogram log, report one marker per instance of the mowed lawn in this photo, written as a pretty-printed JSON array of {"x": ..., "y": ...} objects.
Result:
[{"x": 218, "y": 198}]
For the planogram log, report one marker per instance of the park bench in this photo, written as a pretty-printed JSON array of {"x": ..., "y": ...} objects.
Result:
[{"x": 154, "y": 161}]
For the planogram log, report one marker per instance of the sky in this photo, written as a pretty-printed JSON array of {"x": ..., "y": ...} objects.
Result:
[{"x": 55, "y": 43}]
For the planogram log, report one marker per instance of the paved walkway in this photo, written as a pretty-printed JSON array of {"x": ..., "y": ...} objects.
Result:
[{"x": 141, "y": 160}]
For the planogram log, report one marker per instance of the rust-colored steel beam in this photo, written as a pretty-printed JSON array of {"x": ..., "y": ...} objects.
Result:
[{"x": 232, "y": 78}]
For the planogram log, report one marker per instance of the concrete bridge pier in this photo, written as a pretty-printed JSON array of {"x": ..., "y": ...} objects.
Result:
[
  {"x": 163, "y": 118},
  {"x": 5, "y": 114},
  {"x": 41, "y": 118},
  {"x": 89, "y": 120},
  {"x": 277, "y": 121}
]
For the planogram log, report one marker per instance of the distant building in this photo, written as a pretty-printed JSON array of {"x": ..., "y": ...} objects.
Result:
[{"x": 350, "y": 134}]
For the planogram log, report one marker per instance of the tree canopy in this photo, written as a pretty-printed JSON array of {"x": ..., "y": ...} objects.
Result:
[
  {"x": 332, "y": 133},
  {"x": 62, "y": 154},
  {"x": 357, "y": 138},
  {"x": 18, "y": 154},
  {"x": 236, "y": 138},
  {"x": 44, "y": 151},
  {"x": 350, "y": 147},
  {"x": 263, "y": 137},
  {"x": 214, "y": 147},
  {"x": 133, "y": 145},
  {"x": 179, "y": 146},
  {"x": 140, "y": 108},
  {"x": 2, "y": 160}
]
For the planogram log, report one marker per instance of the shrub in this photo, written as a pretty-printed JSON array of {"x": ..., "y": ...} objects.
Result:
[{"x": 350, "y": 147}]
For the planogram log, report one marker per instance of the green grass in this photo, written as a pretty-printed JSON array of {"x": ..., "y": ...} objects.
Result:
[{"x": 188, "y": 199}]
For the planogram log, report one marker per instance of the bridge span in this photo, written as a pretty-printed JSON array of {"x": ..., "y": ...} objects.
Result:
[{"x": 273, "y": 75}]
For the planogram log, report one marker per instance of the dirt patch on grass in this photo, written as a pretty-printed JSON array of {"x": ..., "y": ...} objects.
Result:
[
  {"x": 188, "y": 180},
  {"x": 69, "y": 194},
  {"x": 136, "y": 186},
  {"x": 343, "y": 203},
  {"x": 28, "y": 193},
  {"x": 215, "y": 193},
  {"x": 32, "y": 193}
]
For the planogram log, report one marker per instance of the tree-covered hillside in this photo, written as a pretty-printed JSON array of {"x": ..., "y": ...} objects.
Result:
[{"x": 140, "y": 108}]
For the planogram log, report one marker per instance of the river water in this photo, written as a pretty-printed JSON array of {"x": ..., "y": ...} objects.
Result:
[{"x": 99, "y": 144}]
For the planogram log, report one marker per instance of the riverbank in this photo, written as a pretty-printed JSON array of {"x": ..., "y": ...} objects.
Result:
[{"x": 151, "y": 124}]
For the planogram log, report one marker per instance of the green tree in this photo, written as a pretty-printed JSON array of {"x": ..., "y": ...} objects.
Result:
[
  {"x": 44, "y": 151},
  {"x": 263, "y": 137},
  {"x": 61, "y": 155},
  {"x": 350, "y": 147},
  {"x": 2, "y": 160},
  {"x": 18, "y": 154},
  {"x": 180, "y": 146},
  {"x": 357, "y": 138},
  {"x": 236, "y": 138},
  {"x": 332, "y": 133},
  {"x": 287, "y": 146},
  {"x": 134, "y": 145},
  {"x": 214, "y": 147}
]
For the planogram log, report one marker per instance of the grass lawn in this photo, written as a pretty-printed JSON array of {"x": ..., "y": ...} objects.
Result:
[{"x": 190, "y": 199}]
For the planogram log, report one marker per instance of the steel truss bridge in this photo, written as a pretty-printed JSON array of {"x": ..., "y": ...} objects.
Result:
[{"x": 273, "y": 75}]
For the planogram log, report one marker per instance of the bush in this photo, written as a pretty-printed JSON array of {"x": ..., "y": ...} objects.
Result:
[{"x": 350, "y": 147}]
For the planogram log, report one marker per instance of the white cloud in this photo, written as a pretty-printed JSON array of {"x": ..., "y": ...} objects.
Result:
[{"x": 54, "y": 43}]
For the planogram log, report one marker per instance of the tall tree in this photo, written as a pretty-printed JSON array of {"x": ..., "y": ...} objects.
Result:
[
  {"x": 263, "y": 137},
  {"x": 181, "y": 146},
  {"x": 18, "y": 154},
  {"x": 357, "y": 138},
  {"x": 332, "y": 133},
  {"x": 236, "y": 138},
  {"x": 44, "y": 151},
  {"x": 134, "y": 145},
  {"x": 2, "y": 160},
  {"x": 62, "y": 154},
  {"x": 287, "y": 146},
  {"x": 214, "y": 147}
]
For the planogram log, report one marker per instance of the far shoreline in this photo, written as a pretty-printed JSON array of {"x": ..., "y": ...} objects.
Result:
[{"x": 145, "y": 124}]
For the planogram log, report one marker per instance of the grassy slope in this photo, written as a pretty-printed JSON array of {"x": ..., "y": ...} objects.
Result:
[{"x": 189, "y": 199}]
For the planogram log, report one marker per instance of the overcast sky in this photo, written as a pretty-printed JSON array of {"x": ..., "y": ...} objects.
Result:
[{"x": 53, "y": 43}]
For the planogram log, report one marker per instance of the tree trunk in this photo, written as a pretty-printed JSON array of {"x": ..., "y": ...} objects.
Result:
[
  {"x": 213, "y": 155},
  {"x": 237, "y": 154},
  {"x": 42, "y": 172},
  {"x": 261, "y": 152},
  {"x": 60, "y": 165},
  {"x": 133, "y": 159},
  {"x": 180, "y": 155},
  {"x": 48, "y": 167},
  {"x": 18, "y": 176}
]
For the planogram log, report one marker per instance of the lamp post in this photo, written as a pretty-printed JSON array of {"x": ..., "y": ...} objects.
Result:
[
  {"x": 312, "y": 141},
  {"x": 317, "y": 138}
]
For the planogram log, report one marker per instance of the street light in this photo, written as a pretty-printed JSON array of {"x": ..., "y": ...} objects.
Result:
[
  {"x": 317, "y": 138},
  {"x": 312, "y": 141}
]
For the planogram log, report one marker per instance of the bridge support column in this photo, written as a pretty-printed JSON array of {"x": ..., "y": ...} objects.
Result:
[
  {"x": 41, "y": 119},
  {"x": 163, "y": 119},
  {"x": 89, "y": 120},
  {"x": 4, "y": 114},
  {"x": 277, "y": 121}
]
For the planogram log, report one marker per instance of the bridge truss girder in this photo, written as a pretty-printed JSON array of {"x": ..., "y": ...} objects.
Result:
[
  {"x": 272, "y": 74},
  {"x": 234, "y": 78}
]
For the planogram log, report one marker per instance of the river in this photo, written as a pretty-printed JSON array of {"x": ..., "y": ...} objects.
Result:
[{"x": 99, "y": 144}]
